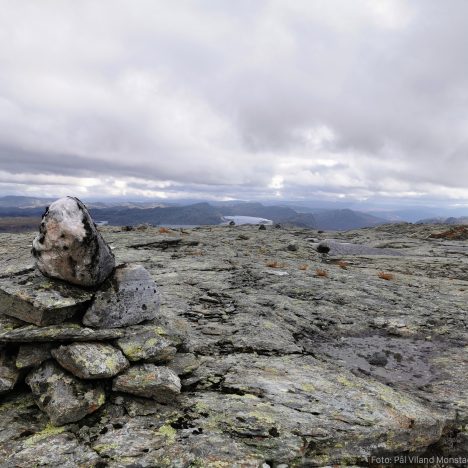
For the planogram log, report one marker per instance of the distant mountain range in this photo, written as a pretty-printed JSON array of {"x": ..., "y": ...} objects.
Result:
[{"x": 158, "y": 213}]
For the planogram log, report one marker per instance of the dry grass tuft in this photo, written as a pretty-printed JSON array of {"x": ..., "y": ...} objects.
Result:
[
  {"x": 304, "y": 267},
  {"x": 164, "y": 230},
  {"x": 343, "y": 265},
  {"x": 274, "y": 264},
  {"x": 322, "y": 273},
  {"x": 385, "y": 276}
]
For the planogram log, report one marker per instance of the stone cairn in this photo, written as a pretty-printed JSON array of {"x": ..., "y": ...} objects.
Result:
[{"x": 79, "y": 327}]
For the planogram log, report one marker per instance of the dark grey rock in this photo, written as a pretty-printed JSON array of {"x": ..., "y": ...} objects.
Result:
[
  {"x": 149, "y": 345},
  {"x": 378, "y": 359},
  {"x": 39, "y": 300},
  {"x": 148, "y": 380},
  {"x": 91, "y": 360},
  {"x": 9, "y": 374},
  {"x": 64, "y": 398},
  {"x": 292, "y": 247},
  {"x": 69, "y": 247},
  {"x": 184, "y": 363},
  {"x": 262, "y": 227},
  {"x": 65, "y": 332},
  {"x": 129, "y": 297},
  {"x": 31, "y": 355},
  {"x": 323, "y": 248}
]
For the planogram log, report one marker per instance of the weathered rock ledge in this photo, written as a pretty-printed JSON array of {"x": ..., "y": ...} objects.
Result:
[{"x": 286, "y": 356}]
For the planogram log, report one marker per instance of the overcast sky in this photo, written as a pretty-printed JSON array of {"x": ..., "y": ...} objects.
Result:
[{"x": 287, "y": 99}]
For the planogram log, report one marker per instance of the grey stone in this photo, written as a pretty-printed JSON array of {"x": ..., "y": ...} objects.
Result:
[
  {"x": 129, "y": 297},
  {"x": 9, "y": 374},
  {"x": 149, "y": 345},
  {"x": 69, "y": 247},
  {"x": 184, "y": 363},
  {"x": 292, "y": 247},
  {"x": 148, "y": 380},
  {"x": 378, "y": 359},
  {"x": 39, "y": 300},
  {"x": 64, "y": 332},
  {"x": 64, "y": 398},
  {"x": 91, "y": 360},
  {"x": 31, "y": 355}
]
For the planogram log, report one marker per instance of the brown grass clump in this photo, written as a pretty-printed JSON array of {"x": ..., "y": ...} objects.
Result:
[
  {"x": 164, "y": 230},
  {"x": 385, "y": 276},
  {"x": 274, "y": 264},
  {"x": 343, "y": 265},
  {"x": 322, "y": 273},
  {"x": 303, "y": 267}
]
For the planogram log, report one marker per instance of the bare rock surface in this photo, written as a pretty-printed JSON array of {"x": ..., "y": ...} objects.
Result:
[
  {"x": 91, "y": 360},
  {"x": 129, "y": 297},
  {"x": 275, "y": 369},
  {"x": 69, "y": 247},
  {"x": 35, "y": 299},
  {"x": 147, "y": 344},
  {"x": 9, "y": 374},
  {"x": 64, "y": 398},
  {"x": 31, "y": 355},
  {"x": 147, "y": 380}
]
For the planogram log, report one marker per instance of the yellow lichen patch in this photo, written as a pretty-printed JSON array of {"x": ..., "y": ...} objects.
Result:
[
  {"x": 309, "y": 388},
  {"x": 102, "y": 448},
  {"x": 169, "y": 432},
  {"x": 48, "y": 431}
]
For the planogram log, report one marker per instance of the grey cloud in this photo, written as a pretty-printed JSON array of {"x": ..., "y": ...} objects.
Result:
[{"x": 216, "y": 97}]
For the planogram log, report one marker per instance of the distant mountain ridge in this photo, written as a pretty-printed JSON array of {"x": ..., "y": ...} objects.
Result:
[{"x": 133, "y": 213}]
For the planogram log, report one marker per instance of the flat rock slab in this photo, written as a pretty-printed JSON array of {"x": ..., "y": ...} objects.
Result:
[
  {"x": 147, "y": 380},
  {"x": 9, "y": 374},
  {"x": 347, "y": 248},
  {"x": 147, "y": 344},
  {"x": 66, "y": 332},
  {"x": 31, "y": 355},
  {"x": 91, "y": 360},
  {"x": 129, "y": 297},
  {"x": 69, "y": 247},
  {"x": 39, "y": 300},
  {"x": 64, "y": 398}
]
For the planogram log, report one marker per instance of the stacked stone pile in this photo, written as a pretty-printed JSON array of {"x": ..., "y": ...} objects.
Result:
[{"x": 80, "y": 327}]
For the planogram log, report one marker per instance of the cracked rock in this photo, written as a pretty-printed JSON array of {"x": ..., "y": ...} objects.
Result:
[
  {"x": 91, "y": 360},
  {"x": 129, "y": 297},
  {"x": 64, "y": 398},
  {"x": 148, "y": 380},
  {"x": 69, "y": 247}
]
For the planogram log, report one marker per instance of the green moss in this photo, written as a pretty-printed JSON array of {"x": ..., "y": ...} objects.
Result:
[
  {"x": 48, "y": 431},
  {"x": 102, "y": 448}
]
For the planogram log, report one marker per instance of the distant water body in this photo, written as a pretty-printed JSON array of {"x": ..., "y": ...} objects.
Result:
[{"x": 247, "y": 220}]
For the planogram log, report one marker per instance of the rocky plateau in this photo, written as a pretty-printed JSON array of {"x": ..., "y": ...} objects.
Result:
[{"x": 274, "y": 347}]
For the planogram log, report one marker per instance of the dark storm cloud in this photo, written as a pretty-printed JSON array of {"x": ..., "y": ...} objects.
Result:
[{"x": 229, "y": 99}]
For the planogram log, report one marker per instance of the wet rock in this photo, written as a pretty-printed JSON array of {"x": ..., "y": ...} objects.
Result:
[
  {"x": 9, "y": 374},
  {"x": 69, "y": 247},
  {"x": 129, "y": 297},
  {"x": 31, "y": 355},
  {"x": 91, "y": 360},
  {"x": 65, "y": 332},
  {"x": 64, "y": 398},
  {"x": 35, "y": 299},
  {"x": 378, "y": 359},
  {"x": 149, "y": 345},
  {"x": 148, "y": 380}
]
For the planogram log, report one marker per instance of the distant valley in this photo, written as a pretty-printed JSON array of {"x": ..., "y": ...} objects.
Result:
[{"x": 23, "y": 213}]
